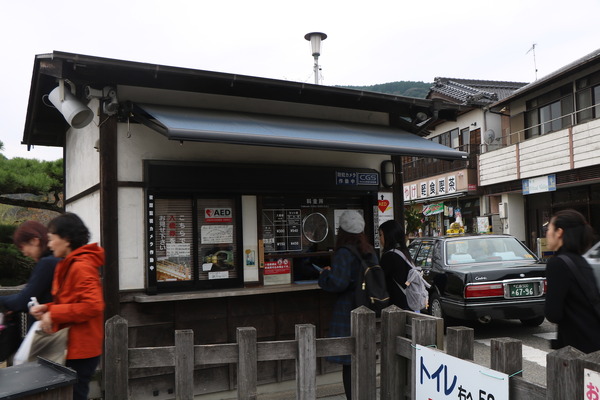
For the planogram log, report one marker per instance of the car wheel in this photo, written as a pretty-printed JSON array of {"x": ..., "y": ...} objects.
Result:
[
  {"x": 435, "y": 306},
  {"x": 537, "y": 321}
]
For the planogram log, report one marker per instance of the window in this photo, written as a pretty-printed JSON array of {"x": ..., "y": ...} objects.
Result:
[
  {"x": 588, "y": 98},
  {"x": 193, "y": 242},
  {"x": 465, "y": 139},
  {"x": 550, "y": 112},
  {"x": 423, "y": 258}
]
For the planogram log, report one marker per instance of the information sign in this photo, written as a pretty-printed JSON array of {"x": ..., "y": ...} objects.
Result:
[{"x": 440, "y": 376}]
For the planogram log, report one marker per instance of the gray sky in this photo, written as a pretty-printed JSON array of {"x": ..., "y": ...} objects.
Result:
[{"x": 368, "y": 42}]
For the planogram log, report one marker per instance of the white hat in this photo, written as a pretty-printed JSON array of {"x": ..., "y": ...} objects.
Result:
[{"x": 352, "y": 221}]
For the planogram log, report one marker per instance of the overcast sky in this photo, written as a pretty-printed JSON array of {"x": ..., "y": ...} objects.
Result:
[{"x": 369, "y": 42}]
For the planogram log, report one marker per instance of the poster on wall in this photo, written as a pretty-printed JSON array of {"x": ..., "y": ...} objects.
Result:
[
  {"x": 173, "y": 241},
  {"x": 278, "y": 272}
]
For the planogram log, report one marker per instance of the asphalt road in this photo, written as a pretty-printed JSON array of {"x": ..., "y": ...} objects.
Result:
[{"x": 536, "y": 344}]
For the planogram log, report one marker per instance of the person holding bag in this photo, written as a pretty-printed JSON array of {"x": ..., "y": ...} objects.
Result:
[
  {"x": 31, "y": 238},
  {"x": 78, "y": 301},
  {"x": 341, "y": 278},
  {"x": 572, "y": 297}
]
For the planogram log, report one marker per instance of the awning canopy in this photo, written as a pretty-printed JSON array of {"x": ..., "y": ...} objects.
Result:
[{"x": 199, "y": 125}]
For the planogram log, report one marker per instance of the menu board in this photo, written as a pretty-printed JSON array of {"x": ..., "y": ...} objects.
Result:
[{"x": 281, "y": 230}]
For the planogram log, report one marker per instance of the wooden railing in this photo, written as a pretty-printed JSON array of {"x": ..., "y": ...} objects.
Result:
[{"x": 400, "y": 331}]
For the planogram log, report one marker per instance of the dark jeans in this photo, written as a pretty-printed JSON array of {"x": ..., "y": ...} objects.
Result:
[{"x": 85, "y": 368}]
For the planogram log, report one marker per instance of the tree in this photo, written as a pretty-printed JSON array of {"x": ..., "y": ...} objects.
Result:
[{"x": 31, "y": 183}]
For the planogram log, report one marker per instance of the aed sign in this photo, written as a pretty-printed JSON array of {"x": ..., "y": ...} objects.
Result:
[
  {"x": 440, "y": 376},
  {"x": 218, "y": 215}
]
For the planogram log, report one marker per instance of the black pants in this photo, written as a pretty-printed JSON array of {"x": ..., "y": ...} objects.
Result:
[
  {"x": 85, "y": 368},
  {"x": 347, "y": 379}
]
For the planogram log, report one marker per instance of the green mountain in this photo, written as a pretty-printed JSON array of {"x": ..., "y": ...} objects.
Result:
[{"x": 400, "y": 88}]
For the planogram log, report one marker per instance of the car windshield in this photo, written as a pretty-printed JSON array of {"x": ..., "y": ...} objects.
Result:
[{"x": 485, "y": 249}]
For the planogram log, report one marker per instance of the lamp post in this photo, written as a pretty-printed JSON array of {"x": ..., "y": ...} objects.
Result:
[{"x": 315, "y": 39}]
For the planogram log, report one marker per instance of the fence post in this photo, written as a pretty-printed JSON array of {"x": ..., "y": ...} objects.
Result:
[
  {"x": 506, "y": 356},
  {"x": 424, "y": 332},
  {"x": 563, "y": 374},
  {"x": 247, "y": 359},
  {"x": 184, "y": 364},
  {"x": 460, "y": 342},
  {"x": 116, "y": 358},
  {"x": 306, "y": 362},
  {"x": 364, "y": 385},
  {"x": 393, "y": 367}
]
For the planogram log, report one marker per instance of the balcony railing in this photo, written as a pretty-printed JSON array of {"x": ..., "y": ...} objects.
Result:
[
  {"x": 567, "y": 120},
  {"x": 426, "y": 167}
]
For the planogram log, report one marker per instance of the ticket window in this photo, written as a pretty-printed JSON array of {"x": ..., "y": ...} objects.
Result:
[{"x": 299, "y": 234}]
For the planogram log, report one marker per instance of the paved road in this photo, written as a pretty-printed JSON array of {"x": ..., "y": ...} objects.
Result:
[{"x": 536, "y": 345}]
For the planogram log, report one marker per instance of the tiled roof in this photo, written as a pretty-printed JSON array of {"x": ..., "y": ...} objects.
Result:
[{"x": 472, "y": 91}]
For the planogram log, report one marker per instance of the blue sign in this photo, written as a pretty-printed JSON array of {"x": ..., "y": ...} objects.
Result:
[{"x": 546, "y": 183}]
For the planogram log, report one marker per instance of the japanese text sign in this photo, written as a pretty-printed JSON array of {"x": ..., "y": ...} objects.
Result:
[{"x": 440, "y": 376}]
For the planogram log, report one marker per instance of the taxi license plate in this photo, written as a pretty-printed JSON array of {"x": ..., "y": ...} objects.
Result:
[{"x": 521, "y": 290}]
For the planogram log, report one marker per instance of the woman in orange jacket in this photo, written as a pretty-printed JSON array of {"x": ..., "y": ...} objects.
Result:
[{"x": 78, "y": 301}]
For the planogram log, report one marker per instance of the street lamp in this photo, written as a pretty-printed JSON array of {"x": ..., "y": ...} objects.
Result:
[{"x": 315, "y": 39}]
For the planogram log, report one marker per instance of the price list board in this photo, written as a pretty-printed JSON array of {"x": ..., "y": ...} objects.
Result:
[{"x": 282, "y": 230}]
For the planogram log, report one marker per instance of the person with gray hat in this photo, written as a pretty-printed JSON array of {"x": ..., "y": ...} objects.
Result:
[{"x": 340, "y": 278}]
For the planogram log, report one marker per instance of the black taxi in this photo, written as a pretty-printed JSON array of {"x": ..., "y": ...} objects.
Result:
[{"x": 482, "y": 277}]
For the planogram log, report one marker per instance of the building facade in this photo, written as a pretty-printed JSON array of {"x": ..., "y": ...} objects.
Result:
[
  {"x": 214, "y": 194},
  {"x": 443, "y": 191},
  {"x": 549, "y": 158}
]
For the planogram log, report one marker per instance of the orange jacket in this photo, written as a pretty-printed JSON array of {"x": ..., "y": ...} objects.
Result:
[{"x": 79, "y": 301}]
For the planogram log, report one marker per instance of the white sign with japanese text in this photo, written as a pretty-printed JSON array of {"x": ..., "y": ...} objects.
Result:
[
  {"x": 440, "y": 376},
  {"x": 591, "y": 383}
]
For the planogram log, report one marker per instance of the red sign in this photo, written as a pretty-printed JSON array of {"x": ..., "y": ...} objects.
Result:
[
  {"x": 218, "y": 215},
  {"x": 472, "y": 187},
  {"x": 383, "y": 205},
  {"x": 281, "y": 266}
]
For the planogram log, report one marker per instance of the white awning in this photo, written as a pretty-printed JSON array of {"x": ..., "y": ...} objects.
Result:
[{"x": 199, "y": 125}]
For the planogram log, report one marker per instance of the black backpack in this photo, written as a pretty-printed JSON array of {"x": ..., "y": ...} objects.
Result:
[{"x": 370, "y": 289}]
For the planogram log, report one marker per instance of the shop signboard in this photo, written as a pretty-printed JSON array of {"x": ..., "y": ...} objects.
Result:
[
  {"x": 539, "y": 184},
  {"x": 440, "y": 376},
  {"x": 432, "y": 209}
]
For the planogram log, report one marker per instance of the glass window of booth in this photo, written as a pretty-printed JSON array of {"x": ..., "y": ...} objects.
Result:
[
  {"x": 193, "y": 242},
  {"x": 299, "y": 232}
]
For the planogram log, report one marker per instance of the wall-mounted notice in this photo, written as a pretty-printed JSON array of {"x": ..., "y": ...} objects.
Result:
[
  {"x": 216, "y": 234},
  {"x": 281, "y": 230}
]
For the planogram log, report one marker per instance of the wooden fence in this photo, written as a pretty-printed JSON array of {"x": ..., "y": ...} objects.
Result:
[{"x": 400, "y": 332}]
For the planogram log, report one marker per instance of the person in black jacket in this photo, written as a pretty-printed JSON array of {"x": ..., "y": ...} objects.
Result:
[
  {"x": 31, "y": 238},
  {"x": 567, "y": 303},
  {"x": 392, "y": 239}
]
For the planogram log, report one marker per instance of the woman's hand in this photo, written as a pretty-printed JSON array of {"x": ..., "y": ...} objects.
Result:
[
  {"x": 46, "y": 322},
  {"x": 38, "y": 311},
  {"x": 328, "y": 268}
]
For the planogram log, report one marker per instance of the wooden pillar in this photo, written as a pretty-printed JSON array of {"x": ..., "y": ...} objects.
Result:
[
  {"x": 306, "y": 362},
  {"x": 393, "y": 367},
  {"x": 460, "y": 342},
  {"x": 424, "y": 332},
  {"x": 563, "y": 374},
  {"x": 184, "y": 364},
  {"x": 364, "y": 384},
  {"x": 247, "y": 363},
  {"x": 109, "y": 216},
  {"x": 116, "y": 356}
]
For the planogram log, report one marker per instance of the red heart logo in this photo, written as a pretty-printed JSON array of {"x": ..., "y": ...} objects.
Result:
[
  {"x": 208, "y": 212},
  {"x": 383, "y": 205}
]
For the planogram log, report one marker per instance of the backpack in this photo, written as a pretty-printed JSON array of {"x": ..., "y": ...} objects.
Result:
[
  {"x": 588, "y": 287},
  {"x": 370, "y": 289},
  {"x": 416, "y": 293}
]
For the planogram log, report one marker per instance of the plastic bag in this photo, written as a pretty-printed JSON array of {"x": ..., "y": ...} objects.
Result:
[{"x": 22, "y": 355}]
